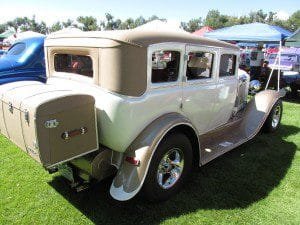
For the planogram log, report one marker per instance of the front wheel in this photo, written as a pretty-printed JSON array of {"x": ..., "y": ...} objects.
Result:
[
  {"x": 170, "y": 166},
  {"x": 273, "y": 121}
]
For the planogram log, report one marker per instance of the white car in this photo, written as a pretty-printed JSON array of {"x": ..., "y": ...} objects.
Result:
[{"x": 144, "y": 106}]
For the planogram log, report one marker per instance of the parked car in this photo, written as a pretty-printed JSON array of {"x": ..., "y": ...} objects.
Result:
[
  {"x": 114, "y": 104},
  {"x": 24, "y": 60},
  {"x": 2, "y": 52}
]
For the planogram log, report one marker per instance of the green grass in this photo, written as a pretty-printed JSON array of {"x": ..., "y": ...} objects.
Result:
[{"x": 257, "y": 183}]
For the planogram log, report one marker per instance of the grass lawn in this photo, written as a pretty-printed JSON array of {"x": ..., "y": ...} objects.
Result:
[{"x": 257, "y": 183}]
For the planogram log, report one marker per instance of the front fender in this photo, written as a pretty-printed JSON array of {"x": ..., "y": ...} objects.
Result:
[{"x": 130, "y": 178}]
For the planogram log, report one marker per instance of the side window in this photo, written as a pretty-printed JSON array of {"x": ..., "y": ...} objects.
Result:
[
  {"x": 199, "y": 65},
  {"x": 78, "y": 64},
  {"x": 227, "y": 65},
  {"x": 165, "y": 66}
]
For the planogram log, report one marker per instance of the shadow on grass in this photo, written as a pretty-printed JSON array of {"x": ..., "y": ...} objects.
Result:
[{"x": 235, "y": 180}]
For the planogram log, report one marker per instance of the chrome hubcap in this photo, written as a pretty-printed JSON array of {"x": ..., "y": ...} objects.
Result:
[
  {"x": 276, "y": 116},
  {"x": 170, "y": 168}
]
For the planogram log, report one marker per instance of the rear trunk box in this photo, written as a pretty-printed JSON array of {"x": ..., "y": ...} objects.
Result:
[{"x": 52, "y": 125}]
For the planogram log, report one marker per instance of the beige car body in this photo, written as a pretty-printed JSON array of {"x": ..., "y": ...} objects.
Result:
[{"x": 120, "y": 113}]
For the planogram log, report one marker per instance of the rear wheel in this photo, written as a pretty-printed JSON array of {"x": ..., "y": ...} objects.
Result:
[
  {"x": 273, "y": 121},
  {"x": 170, "y": 166}
]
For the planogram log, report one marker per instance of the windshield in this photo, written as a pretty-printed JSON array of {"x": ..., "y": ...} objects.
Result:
[
  {"x": 17, "y": 49},
  {"x": 77, "y": 64}
]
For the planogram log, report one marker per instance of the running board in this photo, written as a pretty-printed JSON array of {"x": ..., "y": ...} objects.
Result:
[
  {"x": 218, "y": 142},
  {"x": 239, "y": 130}
]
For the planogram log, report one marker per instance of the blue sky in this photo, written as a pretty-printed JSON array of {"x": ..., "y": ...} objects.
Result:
[{"x": 51, "y": 11}]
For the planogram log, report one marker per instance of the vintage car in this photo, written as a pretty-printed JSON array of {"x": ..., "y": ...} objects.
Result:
[
  {"x": 24, "y": 61},
  {"x": 143, "y": 106}
]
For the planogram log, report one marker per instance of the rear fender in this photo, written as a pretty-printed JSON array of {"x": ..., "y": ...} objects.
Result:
[
  {"x": 130, "y": 178},
  {"x": 257, "y": 111}
]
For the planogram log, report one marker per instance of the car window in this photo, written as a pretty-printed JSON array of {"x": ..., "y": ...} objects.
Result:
[
  {"x": 165, "y": 66},
  {"x": 199, "y": 65},
  {"x": 227, "y": 65},
  {"x": 78, "y": 64},
  {"x": 17, "y": 49}
]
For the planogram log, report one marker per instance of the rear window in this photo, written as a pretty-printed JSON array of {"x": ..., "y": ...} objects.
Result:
[
  {"x": 17, "y": 49},
  {"x": 78, "y": 64},
  {"x": 165, "y": 66}
]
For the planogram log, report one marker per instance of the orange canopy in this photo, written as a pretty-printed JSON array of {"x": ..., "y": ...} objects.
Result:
[{"x": 202, "y": 31}]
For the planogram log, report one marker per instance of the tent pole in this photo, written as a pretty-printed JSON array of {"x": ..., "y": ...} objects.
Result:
[
  {"x": 278, "y": 77},
  {"x": 275, "y": 61}
]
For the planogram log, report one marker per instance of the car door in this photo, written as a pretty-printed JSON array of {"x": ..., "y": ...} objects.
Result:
[
  {"x": 199, "y": 87},
  {"x": 227, "y": 86}
]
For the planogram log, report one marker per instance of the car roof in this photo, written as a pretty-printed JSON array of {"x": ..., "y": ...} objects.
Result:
[
  {"x": 144, "y": 38},
  {"x": 30, "y": 40}
]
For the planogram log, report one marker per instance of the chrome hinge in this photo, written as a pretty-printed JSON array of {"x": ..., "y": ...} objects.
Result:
[
  {"x": 26, "y": 116},
  {"x": 10, "y": 107}
]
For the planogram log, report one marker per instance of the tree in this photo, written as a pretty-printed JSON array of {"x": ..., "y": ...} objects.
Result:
[
  {"x": 258, "y": 16},
  {"x": 139, "y": 21},
  {"x": 127, "y": 24},
  {"x": 56, "y": 27},
  {"x": 21, "y": 24},
  {"x": 271, "y": 17},
  {"x": 294, "y": 21},
  {"x": 215, "y": 20},
  {"x": 67, "y": 23},
  {"x": 109, "y": 23},
  {"x": 3, "y": 27},
  {"x": 154, "y": 17},
  {"x": 193, "y": 25},
  {"x": 37, "y": 27},
  {"x": 89, "y": 23}
]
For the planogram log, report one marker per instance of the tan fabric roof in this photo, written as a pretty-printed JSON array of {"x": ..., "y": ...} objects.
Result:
[{"x": 144, "y": 38}]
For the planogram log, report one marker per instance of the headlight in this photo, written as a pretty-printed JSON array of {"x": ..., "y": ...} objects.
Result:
[{"x": 254, "y": 86}]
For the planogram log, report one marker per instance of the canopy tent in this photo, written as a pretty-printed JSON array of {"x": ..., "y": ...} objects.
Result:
[
  {"x": 202, "y": 31},
  {"x": 6, "y": 34},
  {"x": 294, "y": 39},
  {"x": 247, "y": 44},
  {"x": 253, "y": 32}
]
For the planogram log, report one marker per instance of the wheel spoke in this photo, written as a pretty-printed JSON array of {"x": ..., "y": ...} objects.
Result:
[
  {"x": 170, "y": 168},
  {"x": 160, "y": 178},
  {"x": 276, "y": 116}
]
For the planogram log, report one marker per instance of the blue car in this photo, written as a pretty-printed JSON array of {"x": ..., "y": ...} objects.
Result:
[
  {"x": 2, "y": 52},
  {"x": 25, "y": 60}
]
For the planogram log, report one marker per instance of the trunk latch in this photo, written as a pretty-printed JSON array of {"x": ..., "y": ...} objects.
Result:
[{"x": 69, "y": 134}]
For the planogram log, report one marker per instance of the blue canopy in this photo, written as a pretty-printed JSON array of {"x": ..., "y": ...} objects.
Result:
[{"x": 253, "y": 32}]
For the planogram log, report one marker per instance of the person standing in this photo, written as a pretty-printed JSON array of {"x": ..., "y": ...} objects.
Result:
[{"x": 256, "y": 61}]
